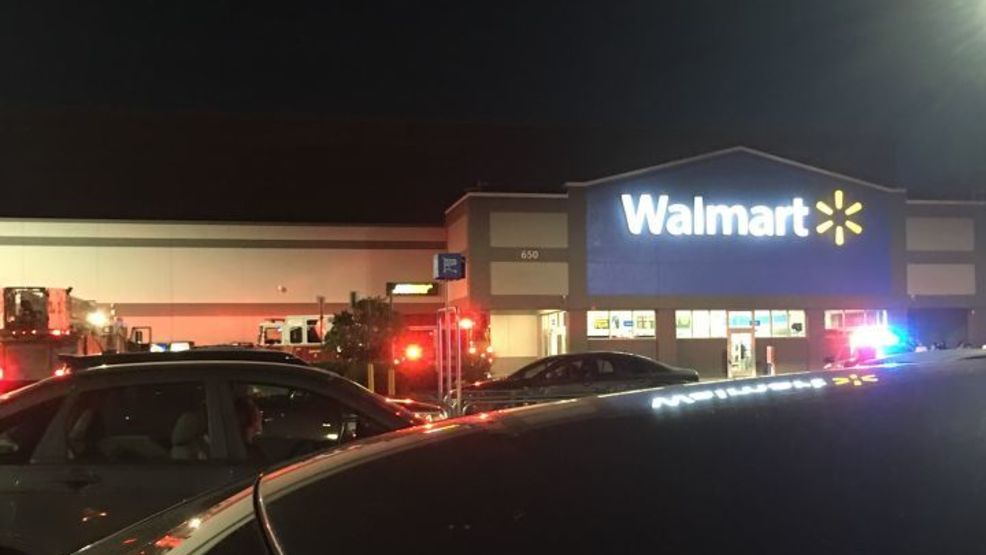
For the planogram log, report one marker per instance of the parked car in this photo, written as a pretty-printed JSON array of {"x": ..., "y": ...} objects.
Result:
[
  {"x": 571, "y": 376},
  {"x": 878, "y": 461},
  {"x": 95, "y": 450}
]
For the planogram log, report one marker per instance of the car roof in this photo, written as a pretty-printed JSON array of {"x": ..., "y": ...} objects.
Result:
[
  {"x": 204, "y": 365},
  {"x": 664, "y": 402},
  {"x": 210, "y": 354},
  {"x": 594, "y": 353}
]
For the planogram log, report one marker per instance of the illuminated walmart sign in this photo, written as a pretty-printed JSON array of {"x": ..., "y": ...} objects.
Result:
[{"x": 662, "y": 217}]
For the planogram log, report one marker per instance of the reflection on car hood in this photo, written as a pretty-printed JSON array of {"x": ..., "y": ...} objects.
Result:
[{"x": 189, "y": 523}]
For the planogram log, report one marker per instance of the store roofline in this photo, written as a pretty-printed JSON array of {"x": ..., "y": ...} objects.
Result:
[
  {"x": 502, "y": 195},
  {"x": 947, "y": 202},
  {"x": 245, "y": 223},
  {"x": 731, "y": 150}
]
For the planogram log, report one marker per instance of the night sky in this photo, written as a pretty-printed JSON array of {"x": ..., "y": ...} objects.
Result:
[{"x": 387, "y": 111}]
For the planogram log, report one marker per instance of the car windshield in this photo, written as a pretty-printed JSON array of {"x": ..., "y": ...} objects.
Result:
[{"x": 25, "y": 308}]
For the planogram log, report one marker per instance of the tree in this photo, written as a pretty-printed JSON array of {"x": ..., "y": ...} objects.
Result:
[{"x": 363, "y": 334}]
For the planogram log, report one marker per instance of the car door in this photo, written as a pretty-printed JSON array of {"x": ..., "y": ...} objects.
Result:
[
  {"x": 277, "y": 420},
  {"x": 24, "y": 510},
  {"x": 622, "y": 373},
  {"x": 125, "y": 450},
  {"x": 633, "y": 372}
]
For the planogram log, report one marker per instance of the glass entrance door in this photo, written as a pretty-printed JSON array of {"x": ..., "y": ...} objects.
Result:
[
  {"x": 741, "y": 348},
  {"x": 554, "y": 333}
]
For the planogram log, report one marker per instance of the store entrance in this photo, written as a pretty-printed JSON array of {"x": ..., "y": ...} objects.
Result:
[
  {"x": 741, "y": 352},
  {"x": 554, "y": 333}
]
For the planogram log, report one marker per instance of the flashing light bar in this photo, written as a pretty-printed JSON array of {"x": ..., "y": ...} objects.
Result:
[{"x": 873, "y": 337}]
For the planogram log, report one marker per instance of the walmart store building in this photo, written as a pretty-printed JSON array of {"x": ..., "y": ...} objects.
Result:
[
  {"x": 708, "y": 262},
  {"x": 719, "y": 262}
]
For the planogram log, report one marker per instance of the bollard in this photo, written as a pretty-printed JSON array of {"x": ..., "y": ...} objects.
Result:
[{"x": 370, "y": 378}]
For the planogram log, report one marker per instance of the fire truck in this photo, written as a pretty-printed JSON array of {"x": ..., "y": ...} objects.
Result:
[
  {"x": 300, "y": 336},
  {"x": 41, "y": 323},
  {"x": 414, "y": 350}
]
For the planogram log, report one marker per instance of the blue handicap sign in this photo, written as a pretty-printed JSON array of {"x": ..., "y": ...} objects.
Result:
[{"x": 449, "y": 266}]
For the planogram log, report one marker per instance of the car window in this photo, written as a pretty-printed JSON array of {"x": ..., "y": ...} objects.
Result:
[
  {"x": 139, "y": 424},
  {"x": 312, "y": 335},
  {"x": 563, "y": 370},
  {"x": 295, "y": 335},
  {"x": 21, "y": 432},
  {"x": 245, "y": 540},
  {"x": 632, "y": 367},
  {"x": 293, "y": 421},
  {"x": 531, "y": 371},
  {"x": 272, "y": 336},
  {"x": 600, "y": 368}
]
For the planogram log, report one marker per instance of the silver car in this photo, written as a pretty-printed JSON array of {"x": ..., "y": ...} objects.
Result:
[{"x": 84, "y": 455}]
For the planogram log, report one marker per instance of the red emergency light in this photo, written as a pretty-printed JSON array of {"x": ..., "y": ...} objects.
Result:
[{"x": 413, "y": 352}]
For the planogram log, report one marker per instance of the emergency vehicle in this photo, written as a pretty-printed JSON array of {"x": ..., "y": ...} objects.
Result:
[
  {"x": 41, "y": 323},
  {"x": 301, "y": 336}
]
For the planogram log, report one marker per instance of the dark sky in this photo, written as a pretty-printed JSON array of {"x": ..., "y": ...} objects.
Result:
[{"x": 386, "y": 111}]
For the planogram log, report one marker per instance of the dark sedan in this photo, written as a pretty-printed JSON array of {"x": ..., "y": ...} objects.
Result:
[
  {"x": 571, "y": 376},
  {"x": 874, "y": 461}
]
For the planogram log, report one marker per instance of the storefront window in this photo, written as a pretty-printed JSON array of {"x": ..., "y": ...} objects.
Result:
[
  {"x": 798, "y": 326},
  {"x": 761, "y": 323},
  {"x": 780, "y": 324},
  {"x": 644, "y": 323},
  {"x": 717, "y": 320},
  {"x": 740, "y": 319},
  {"x": 855, "y": 318},
  {"x": 621, "y": 324},
  {"x": 598, "y": 325},
  {"x": 700, "y": 324},
  {"x": 683, "y": 323}
]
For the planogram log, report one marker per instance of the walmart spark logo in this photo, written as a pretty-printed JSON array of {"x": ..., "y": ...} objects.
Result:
[
  {"x": 839, "y": 217},
  {"x": 855, "y": 379}
]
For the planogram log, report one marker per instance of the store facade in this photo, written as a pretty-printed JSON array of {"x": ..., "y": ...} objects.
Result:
[{"x": 723, "y": 262}]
